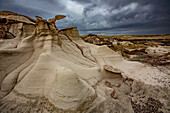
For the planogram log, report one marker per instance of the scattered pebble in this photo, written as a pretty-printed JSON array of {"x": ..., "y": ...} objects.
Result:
[
  {"x": 117, "y": 85},
  {"x": 108, "y": 84},
  {"x": 129, "y": 79},
  {"x": 114, "y": 95}
]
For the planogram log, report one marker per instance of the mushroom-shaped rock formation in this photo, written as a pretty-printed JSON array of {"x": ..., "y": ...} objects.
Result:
[
  {"x": 54, "y": 71},
  {"x": 57, "y": 17}
]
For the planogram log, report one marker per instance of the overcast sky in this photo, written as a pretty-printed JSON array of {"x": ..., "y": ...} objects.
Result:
[{"x": 106, "y": 17}]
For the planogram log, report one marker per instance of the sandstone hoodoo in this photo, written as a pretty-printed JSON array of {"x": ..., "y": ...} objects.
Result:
[{"x": 46, "y": 70}]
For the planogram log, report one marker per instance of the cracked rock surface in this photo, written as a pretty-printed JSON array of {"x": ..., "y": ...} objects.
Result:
[{"x": 46, "y": 70}]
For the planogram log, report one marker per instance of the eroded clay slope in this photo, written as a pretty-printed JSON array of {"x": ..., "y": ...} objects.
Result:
[{"x": 44, "y": 69}]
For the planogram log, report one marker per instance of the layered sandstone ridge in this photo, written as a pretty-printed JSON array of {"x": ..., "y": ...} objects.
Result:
[{"x": 44, "y": 69}]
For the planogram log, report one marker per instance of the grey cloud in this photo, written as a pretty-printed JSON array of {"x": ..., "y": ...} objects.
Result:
[
  {"x": 149, "y": 14},
  {"x": 100, "y": 16},
  {"x": 46, "y": 9},
  {"x": 83, "y": 1}
]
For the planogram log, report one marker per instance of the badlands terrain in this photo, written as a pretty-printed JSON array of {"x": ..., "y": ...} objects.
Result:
[{"x": 47, "y": 70}]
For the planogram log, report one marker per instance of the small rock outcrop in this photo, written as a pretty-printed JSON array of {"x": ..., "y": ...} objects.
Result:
[
  {"x": 111, "y": 69},
  {"x": 43, "y": 69}
]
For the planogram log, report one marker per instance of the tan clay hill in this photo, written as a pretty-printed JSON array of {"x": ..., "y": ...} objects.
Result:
[{"x": 46, "y": 70}]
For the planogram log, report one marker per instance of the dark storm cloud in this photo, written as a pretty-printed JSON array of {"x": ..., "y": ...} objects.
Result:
[
  {"x": 141, "y": 15},
  {"x": 107, "y": 17}
]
